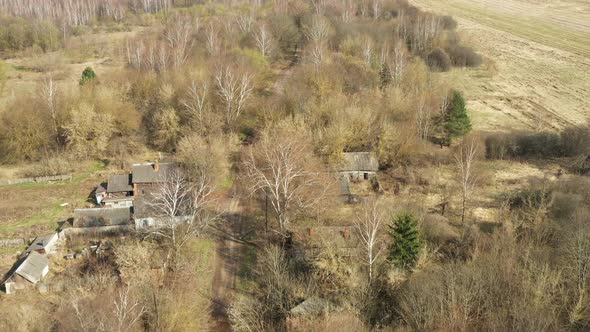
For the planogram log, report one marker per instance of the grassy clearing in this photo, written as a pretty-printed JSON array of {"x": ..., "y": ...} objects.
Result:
[
  {"x": 529, "y": 28},
  {"x": 32, "y": 208}
]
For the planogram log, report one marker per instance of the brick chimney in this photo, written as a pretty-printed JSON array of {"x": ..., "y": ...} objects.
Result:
[
  {"x": 345, "y": 233},
  {"x": 156, "y": 165}
]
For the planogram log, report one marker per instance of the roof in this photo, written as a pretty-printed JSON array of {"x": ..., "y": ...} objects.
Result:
[
  {"x": 41, "y": 242},
  {"x": 101, "y": 217},
  {"x": 146, "y": 173},
  {"x": 341, "y": 237},
  {"x": 142, "y": 210},
  {"x": 34, "y": 267},
  {"x": 102, "y": 188},
  {"x": 312, "y": 306},
  {"x": 359, "y": 161},
  {"x": 119, "y": 183}
]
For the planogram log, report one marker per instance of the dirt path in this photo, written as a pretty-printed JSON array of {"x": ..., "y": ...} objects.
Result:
[{"x": 226, "y": 267}]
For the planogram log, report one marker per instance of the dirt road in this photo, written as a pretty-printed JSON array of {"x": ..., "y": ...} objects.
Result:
[{"x": 226, "y": 267}]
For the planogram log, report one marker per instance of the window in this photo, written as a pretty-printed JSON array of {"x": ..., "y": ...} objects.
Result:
[{"x": 366, "y": 176}]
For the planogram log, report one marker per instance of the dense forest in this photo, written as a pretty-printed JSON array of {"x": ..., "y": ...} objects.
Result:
[{"x": 262, "y": 100}]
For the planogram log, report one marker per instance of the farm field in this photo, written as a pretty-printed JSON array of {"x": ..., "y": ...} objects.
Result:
[{"x": 535, "y": 76}]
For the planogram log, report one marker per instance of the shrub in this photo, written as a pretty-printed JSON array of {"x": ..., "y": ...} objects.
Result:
[
  {"x": 439, "y": 60},
  {"x": 464, "y": 56},
  {"x": 575, "y": 140},
  {"x": 87, "y": 76},
  {"x": 448, "y": 22},
  {"x": 49, "y": 167}
]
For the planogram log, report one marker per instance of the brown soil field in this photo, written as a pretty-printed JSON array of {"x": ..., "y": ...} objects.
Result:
[{"x": 536, "y": 73}]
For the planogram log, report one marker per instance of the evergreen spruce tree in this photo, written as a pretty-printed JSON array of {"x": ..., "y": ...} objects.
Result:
[
  {"x": 457, "y": 122},
  {"x": 406, "y": 241},
  {"x": 87, "y": 75}
]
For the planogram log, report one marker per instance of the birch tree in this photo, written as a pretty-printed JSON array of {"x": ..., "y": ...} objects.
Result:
[
  {"x": 234, "y": 88},
  {"x": 368, "y": 225},
  {"x": 196, "y": 101},
  {"x": 181, "y": 209},
  {"x": 264, "y": 41},
  {"x": 281, "y": 167},
  {"x": 465, "y": 160},
  {"x": 48, "y": 95}
]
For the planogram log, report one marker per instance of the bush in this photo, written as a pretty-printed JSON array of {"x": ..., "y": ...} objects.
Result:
[
  {"x": 462, "y": 56},
  {"x": 448, "y": 22},
  {"x": 575, "y": 141},
  {"x": 544, "y": 144},
  {"x": 438, "y": 60},
  {"x": 87, "y": 76},
  {"x": 49, "y": 167}
]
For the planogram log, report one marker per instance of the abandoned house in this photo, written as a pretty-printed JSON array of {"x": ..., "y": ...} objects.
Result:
[
  {"x": 29, "y": 269},
  {"x": 45, "y": 244},
  {"x": 358, "y": 166},
  {"x": 145, "y": 216},
  {"x": 100, "y": 193},
  {"x": 119, "y": 191},
  {"x": 341, "y": 240},
  {"x": 102, "y": 217},
  {"x": 147, "y": 176}
]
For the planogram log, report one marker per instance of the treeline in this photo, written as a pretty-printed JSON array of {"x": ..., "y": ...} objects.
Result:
[{"x": 572, "y": 142}]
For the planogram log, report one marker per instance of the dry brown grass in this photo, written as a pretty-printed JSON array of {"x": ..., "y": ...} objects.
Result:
[{"x": 538, "y": 56}]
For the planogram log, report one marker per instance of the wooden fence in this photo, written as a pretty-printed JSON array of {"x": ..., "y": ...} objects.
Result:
[{"x": 37, "y": 179}]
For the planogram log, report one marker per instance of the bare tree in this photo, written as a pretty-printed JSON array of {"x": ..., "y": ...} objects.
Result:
[
  {"x": 398, "y": 61},
  {"x": 212, "y": 39},
  {"x": 245, "y": 22},
  {"x": 127, "y": 311},
  {"x": 422, "y": 116},
  {"x": 465, "y": 159},
  {"x": 234, "y": 88},
  {"x": 48, "y": 94},
  {"x": 264, "y": 41},
  {"x": 180, "y": 208},
  {"x": 368, "y": 224},
  {"x": 368, "y": 50},
  {"x": 178, "y": 35},
  {"x": 196, "y": 100},
  {"x": 377, "y": 8},
  {"x": 279, "y": 167}
]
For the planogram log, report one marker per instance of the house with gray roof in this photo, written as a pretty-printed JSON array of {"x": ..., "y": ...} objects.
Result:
[
  {"x": 358, "y": 165},
  {"x": 34, "y": 267},
  {"x": 102, "y": 217},
  {"x": 44, "y": 244},
  {"x": 147, "y": 176}
]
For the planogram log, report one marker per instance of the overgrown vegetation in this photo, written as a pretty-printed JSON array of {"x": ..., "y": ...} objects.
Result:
[{"x": 258, "y": 102}]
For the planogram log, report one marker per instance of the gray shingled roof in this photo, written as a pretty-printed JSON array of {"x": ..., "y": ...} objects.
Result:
[
  {"x": 142, "y": 210},
  {"x": 119, "y": 183},
  {"x": 145, "y": 173},
  {"x": 102, "y": 188},
  {"x": 359, "y": 161},
  {"x": 33, "y": 267},
  {"x": 312, "y": 306},
  {"x": 101, "y": 217}
]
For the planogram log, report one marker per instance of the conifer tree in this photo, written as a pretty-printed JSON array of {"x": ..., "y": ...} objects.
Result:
[
  {"x": 457, "y": 122},
  {"x": 87, "y": 75},
  {"x": 406, "y": 241}
]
